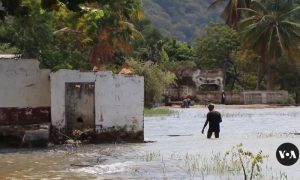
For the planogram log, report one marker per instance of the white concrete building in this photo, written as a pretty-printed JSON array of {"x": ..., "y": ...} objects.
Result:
[
  {"x": 108, "y": 105},
  {"x": 25, "y": 114},
  {"x": 101, "y": 101},
  {"x": 24, "y": 92}
]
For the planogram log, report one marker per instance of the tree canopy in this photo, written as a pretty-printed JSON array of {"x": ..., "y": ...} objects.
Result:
[
  {"x": 255, "y": 46},
  {"x": 272, "y": 30}
]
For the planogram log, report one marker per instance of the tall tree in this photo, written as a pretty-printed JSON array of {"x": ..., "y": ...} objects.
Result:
[
  {"x": 31, "y": 33},
  {"x": 59, "y": 38},
  {"x": 214, "y": 49},
  {"x": 272, "y": 30},
  {"x": 110, "y": 20},
  {"x": 231, "y": 13},
  {"x": 289, "y": 77},
  {"x": 116, "y": 30}
]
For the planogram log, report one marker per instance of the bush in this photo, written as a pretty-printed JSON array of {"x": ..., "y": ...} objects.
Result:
[{"x": 156, "y": 80}]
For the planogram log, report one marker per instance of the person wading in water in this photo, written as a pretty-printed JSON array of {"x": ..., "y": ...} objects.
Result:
[{"x": 214, "y": 119}]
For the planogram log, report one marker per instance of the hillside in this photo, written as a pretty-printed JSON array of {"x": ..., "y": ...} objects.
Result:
[{"x": 184, "y": 19}]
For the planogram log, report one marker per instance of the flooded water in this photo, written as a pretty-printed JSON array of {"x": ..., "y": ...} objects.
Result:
[{"x": 175, "y": 137}]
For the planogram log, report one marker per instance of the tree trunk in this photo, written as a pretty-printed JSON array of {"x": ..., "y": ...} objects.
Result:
[
  {"x": 233, "y": 83},
  {"x": 260, "y": 74},
  {"x": 178, "y": 92},
  {"x": 270, "y": 78},
  {"x": 224, "y": 69},
  {"x": 297, "y": 98}
]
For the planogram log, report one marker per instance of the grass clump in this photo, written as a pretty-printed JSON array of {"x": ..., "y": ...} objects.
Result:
[
  {"x": 150, "y": 156},
  {"x": 237, "y": 163},
  {"x": 157, "y": 112}
]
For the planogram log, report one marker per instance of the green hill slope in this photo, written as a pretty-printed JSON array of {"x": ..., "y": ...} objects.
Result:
[{"x": 184, "y": 19}]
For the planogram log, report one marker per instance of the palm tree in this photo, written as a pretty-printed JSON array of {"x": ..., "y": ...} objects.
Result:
[
  {"x": 231, "y": 14},
  {"x": 116, "y": 30},
  {"x": 109, "y": 34},
  {"x": 272, "y": 30}
]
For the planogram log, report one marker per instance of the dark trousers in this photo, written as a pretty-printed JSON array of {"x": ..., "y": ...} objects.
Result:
[{"x": 209, "y": 134}]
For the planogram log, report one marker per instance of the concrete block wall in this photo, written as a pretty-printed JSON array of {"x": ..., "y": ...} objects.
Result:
[
  {"x": 264, "y": 97},
  {"x": 24, "y": 92},
  {"x": 119, "y": 100},
  {"x": 245, "y": 97},
  {"x": 58, "y": 81}
]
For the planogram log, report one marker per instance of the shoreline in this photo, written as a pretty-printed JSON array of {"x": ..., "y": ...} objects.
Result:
[{"x": 241, "y": 106}]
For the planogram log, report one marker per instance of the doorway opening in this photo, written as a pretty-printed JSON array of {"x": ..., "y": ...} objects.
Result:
[{"x": 80, "y": 106}]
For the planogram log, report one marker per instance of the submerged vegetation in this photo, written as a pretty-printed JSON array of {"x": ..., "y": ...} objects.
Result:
[
  {"x": 235, "y": 163},
  {"x": 256, "y": 46}
]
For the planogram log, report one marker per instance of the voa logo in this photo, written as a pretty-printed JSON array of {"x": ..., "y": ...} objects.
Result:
[
  {"x": 287, "y": 154},
  {"x": 290, "y": 155}
]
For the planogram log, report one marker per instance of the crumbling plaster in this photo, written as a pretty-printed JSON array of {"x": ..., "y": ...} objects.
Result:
[{"x": 119, "y": 99}]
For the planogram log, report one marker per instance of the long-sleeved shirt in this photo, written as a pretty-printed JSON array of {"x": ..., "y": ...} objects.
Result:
[{"x": 214, "y": 119}]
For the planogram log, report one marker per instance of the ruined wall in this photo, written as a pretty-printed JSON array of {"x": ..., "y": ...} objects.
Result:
[
  {"x": 212, "y": 96},
  {"x": 201, "y": 77},
  {"x": 190, "y": 83},
  {"x": 264, "y": 97},
  {"x": 233, "y": 98},
  {"x": 245, "y": 97},
  {"x": 119, "y": 100},
  {"x": 58, "y": 86},
  {"x": 24, "y": 92},
  {"x": 180, "y": 93}
]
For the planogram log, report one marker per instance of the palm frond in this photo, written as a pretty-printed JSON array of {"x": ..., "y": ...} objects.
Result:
[
  {"x": 258, "y": 6},
  {"x": 249, "y": 10},
  {"x": 290, "y": 13},
  {"x": 293, "y": 24},
  {"x": 231, "y": 13}
]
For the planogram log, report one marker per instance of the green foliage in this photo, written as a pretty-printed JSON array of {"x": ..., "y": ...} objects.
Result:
[
  {"x": 157, "y": 112},
  {"x": 156, "y": 80},
  {"x": 155, "y": 47},
  {"x": 215, "y": 47},
  {"x": 64, "y": 59},
  {"x": 151, "y": 37},
  {"x": 59, "y": 39},
  {"x": 150, "y": 156},
  {"x": 73, "y": 32},
  {"x": 179, "y": 51},
  {"x": 272, "y": 30},
  {"x": 90, "y": 23},
  {"x": 251, "y": 164},
  {"x": 6, "y": 48},
  {"x": 78, "y": 34},
  {"x": 235, "y": 162},
  {"x": 24, "y": 7},
  {"x": 242, "y": 74},
  {"x": 163, "y": 57},
  {"x": 14, "y": 8},
  {"x": 31, "y": 34},
  {"x": 215, "y": 50},
  {"x": 116, "y": 31},
  {"x": 70, "y": 4},
  {"x": 289, "y": 77}
]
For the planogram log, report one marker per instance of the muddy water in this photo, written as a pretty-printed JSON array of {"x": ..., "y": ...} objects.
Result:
[{"x": 175, "y": 136}]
